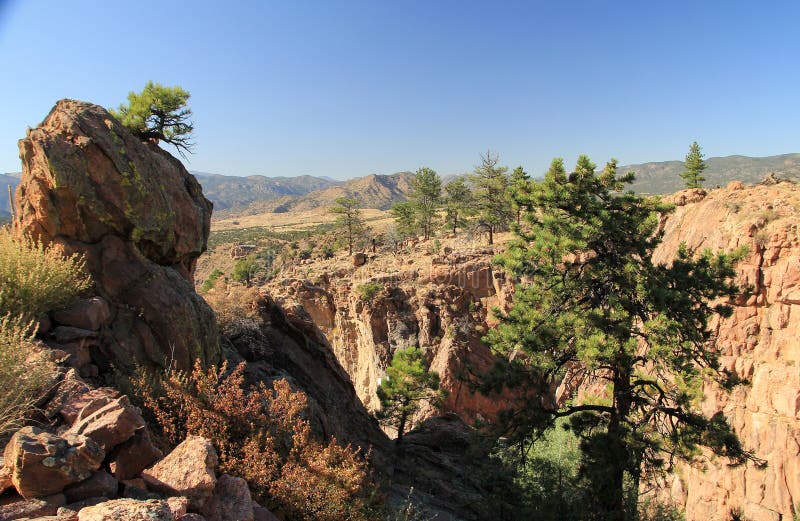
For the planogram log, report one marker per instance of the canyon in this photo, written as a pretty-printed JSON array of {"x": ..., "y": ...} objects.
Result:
[{"x": 442, "y": 301}]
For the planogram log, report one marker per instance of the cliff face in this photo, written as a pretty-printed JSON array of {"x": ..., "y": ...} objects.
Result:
[
  {"x": 139, "y": 219},
  {"x": 759, "y": 343},
  {"x": 438, "y": 302}
]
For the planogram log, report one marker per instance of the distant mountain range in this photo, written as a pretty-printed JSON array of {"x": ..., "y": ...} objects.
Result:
[
  {"x": 664, "y": 177},
  {"x": 256, "y": 194},
  {"x": 230, "y": 191},
  {"x": 374, "y": 191}
]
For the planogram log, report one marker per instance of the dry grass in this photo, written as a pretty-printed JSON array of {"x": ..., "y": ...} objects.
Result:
[
  {"x": 293, "y": 221},
  {"x": 25, "y": 374}
]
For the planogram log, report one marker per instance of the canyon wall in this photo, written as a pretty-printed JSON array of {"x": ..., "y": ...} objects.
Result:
[
  {"x": 440, "y": 302},
  {"x": 760, "y": 343}
]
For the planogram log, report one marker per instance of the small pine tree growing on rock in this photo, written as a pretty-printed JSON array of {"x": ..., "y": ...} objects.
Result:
[
  {"x": 408, "y": 384},
  {"x": 694, "y": 165},
  {"x": 159, "y": 113}
]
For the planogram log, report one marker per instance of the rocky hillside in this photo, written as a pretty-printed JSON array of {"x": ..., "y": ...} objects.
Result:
[
  {"x": 140, "y": 220},
  {"x": 664, "y": 177},
  {"x": 237, "y": 192}
]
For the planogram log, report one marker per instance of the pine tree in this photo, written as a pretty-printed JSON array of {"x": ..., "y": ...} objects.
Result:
[
  {"x": 694, "y": 165},
  {"x": 594, "y": 308},
  {"x": 425, "y": 196},
  {"x": 405, "y": 219},
  {"x": 458, "y": 199},
  {"x": 407, "y": 385},
  {"x": 490, "y": 185},
  {"x": 159, "y": 113},
  {"x": 518, "y": 189},
  {"x": 349, "y": 219}
]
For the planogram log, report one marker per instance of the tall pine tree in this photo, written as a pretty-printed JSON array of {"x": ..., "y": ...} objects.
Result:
[
  {"x": 694, "y": 166},
  {"x": 595, "y": 309},
  {"x": 490, "y": 186},
  {"x": 426, "y": 195}
]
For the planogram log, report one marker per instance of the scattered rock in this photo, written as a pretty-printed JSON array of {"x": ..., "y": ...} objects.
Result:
[
  {"x": 262, "y": 514},
  {"x": 178, "y": 506},
  {"x": 192, "y": 517},
  {"x": 359, "y": 259},
  {"x": 110, "y": 425},
  {"x": 42, "y": 464},
  {"x": 231, "y": 501},
  {"x": 101, "y": 484},
  {"x": 69, "y": 389},
  {"x": 18, "y": 508},
  {"x": 68, "y": 334},
  {"x": 186, "y": 471},
  {"x": 129, "y": 459},
  {"x": 87, "y": 402},
  {"x": 85, "y": 314},
  {"x": 127, "y": 509},
  {"x": 5, "y": 479}
]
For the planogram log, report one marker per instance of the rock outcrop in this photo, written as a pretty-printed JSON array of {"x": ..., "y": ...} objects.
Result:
[
  {"x": 759, "y": 344},
  {"x": 139, "y": 219},
  {"x": 439, "y": 303}
]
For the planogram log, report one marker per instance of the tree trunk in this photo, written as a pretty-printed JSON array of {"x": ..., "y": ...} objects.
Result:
[
  {"x": 401, "y": 428},
  {"x": 491, "y": 234},
  {"x": 455, "y": 223}
]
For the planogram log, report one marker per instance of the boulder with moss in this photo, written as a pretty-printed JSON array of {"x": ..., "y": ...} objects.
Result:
[{"x": 139, "y": 219}]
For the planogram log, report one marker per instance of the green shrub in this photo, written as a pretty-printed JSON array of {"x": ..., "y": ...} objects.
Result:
[
  {"x": 211, "y": 280},
  {"x": 369, "y": 290},
  {"x": 35, "y": 278}
]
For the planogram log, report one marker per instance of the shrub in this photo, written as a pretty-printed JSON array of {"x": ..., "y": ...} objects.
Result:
[
  {"x": 35, "y": 278},
  {"x": 234, "y": 305},
  {"x": 24, "y": 373},
  {"x": 262, "y": 435},
  {"x": 327, "y": 252},
  {"x": 211, "y": 280},
  {"x": 369, "y": 290}
]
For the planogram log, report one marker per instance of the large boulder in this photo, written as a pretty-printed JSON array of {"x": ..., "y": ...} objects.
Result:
[
  {"x": 231, "y": 501},
  {"x": 101, "y": 484},
  {"x": 189, "y": 470},
  {"x": 140, "y": 220},
  {"x": 42, "y": 464},
  {"x": 129, "y": 459},
  {"x": 110, "y": 425}
]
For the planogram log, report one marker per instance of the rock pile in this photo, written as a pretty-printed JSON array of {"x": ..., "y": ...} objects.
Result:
[{"x": 98, "y": 463}]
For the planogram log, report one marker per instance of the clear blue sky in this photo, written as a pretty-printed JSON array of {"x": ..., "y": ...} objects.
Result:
[{"x": 350, "y": 88}]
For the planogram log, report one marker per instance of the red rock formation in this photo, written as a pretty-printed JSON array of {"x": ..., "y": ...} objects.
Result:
[
  {"x": 759, "y": 343},
  {"x": 140, "y": 220},
  {"x": 440, "y": 303}
]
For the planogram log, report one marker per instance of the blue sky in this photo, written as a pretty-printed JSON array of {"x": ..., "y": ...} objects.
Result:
[{"x": 345, "y": 89}]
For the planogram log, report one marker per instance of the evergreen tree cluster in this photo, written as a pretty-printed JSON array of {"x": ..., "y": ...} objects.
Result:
[{"x": 486, "y": 199}]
